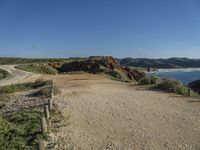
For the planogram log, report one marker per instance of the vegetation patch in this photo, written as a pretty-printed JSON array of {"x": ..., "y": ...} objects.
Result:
[
  {"x": 10, "y": 60},
  {"x": 19, "y": 130},
  {"x": 117, "y": 75},
  {"x": 168, "y": 85},
  {"x": 150, "y": 80},
  {"x": 46, "y": 90},
  {"x": 173, "y": 86},
  {"x": 3, "y": 74},
  {"x": 24, "y": 86},
  {"x": 38, "y": 68}
]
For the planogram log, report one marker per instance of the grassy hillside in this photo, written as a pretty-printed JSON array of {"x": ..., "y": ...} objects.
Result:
[
  {"x": 40, "y": 68},
  {"x": 10, "y": 60}
]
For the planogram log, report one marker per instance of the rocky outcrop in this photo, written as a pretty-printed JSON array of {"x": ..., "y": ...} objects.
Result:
[
  {"x": 55, "y": 65},
  {"x": 195, "y": 86},
  {"x": 105, "y": 64}
]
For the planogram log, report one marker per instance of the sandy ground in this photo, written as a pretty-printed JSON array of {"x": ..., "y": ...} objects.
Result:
[
  {"x": 17, "y": 76},
  {"x": 103, "y": 114}
]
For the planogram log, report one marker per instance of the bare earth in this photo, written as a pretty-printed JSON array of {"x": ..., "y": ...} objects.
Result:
[{"x": 103, "y": 114}]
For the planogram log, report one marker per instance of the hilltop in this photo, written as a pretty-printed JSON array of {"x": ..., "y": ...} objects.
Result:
[{"x": 102, "y": 64}]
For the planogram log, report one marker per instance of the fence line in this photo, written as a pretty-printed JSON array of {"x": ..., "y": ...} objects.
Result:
[{"x": 44, "y": 118}]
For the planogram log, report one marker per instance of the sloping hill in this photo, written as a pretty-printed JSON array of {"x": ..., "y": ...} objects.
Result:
[
  {"x": 160, "y": 63},
  {"x": 102, "y": 64}
]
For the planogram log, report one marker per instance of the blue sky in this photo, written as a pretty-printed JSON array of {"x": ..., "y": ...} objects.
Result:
[{"x": 121, "y": 28}]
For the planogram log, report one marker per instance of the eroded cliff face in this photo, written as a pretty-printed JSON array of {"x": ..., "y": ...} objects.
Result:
[
  {"x": 195, "y": 86},
  {"x": 104, "y": 64}
]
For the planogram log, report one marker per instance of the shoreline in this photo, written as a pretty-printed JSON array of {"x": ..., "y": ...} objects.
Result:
[
  {"x": 186, "y": 75},
  {"x": 175, "y": 70}
]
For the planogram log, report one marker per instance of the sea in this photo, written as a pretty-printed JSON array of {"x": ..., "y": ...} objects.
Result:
[{"x": 185, "y": 75}]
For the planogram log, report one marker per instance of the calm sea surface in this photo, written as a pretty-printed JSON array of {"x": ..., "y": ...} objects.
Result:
[{"x": 185, "y": 75}]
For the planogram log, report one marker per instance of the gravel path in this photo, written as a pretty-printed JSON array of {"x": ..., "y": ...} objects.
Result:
[
  {"x": 103, "y": 114},
  {"x": 16, "y": 75}
]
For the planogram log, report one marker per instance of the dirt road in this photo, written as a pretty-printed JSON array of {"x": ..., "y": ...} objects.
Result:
[
  {"x": 16, "y": 76},
  {"x": 103, "y": 114}
]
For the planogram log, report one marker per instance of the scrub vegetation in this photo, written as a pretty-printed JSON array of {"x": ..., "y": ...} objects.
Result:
[
  {"x": 12, "y": 60},
  {"x": 20, "y": 130},
  {"x": 38, "y": 68},
  {"x": 168, "y": 85},
  {"x": 24, "y": 86},
  {"x": 3, "y": 74}
]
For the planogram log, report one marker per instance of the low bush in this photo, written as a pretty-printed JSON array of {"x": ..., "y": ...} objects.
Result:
[
  {"x": 3, "y": 74},
  {"x": 150, "y": 80},
  {"x": 117, "y": 75},
  {"x": 173, "y": 86},
  {"x": 24, "y": 86},
  {"x": 19, "y": 130}
]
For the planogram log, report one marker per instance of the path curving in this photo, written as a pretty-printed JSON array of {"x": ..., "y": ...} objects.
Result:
[{"x": 16, "y": 75}]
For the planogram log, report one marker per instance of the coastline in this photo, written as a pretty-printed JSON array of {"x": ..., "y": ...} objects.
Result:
[
  {"x": 174, "y": 70},
  {"x": 179, "y": 69},
  {"x": 186, "y": 75}
]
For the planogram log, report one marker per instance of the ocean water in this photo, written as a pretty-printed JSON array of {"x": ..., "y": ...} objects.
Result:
[{"x": 184, "y": 75}]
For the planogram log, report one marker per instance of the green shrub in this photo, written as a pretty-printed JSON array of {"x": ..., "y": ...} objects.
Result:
[
  {"x": 117, "y": 75},
  {"x": 12, "y": 88},
  {"x": 24, "y": 86},
  {"x": 3, "y": 74},
  {"x": 19, "y": 130},
  {"x": 152, "y": 79},
  {"x": 173, "y": 86}
]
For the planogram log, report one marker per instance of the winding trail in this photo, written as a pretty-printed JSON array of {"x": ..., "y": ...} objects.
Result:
[{"x": 16, "y": 75}]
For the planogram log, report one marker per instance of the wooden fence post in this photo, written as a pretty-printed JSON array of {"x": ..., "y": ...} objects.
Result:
[
  {"x": 189, "y": 92},
  {"x": 41, "y": 145},
  {"x": 149, "y": 80},
  {"x": 43, "y": 124},
  {"x": 46, "y": 111},
  {"x": 50, "y": 104},
  {"x": 52, "y": 92}
]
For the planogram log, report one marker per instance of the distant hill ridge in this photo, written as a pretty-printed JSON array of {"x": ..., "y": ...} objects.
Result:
[
  {"x": 160, "y": 63},
  {"x": 102, "y": 64}
]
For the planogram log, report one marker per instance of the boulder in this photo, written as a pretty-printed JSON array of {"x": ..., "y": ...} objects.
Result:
[{"x": 195, "y": 86}]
